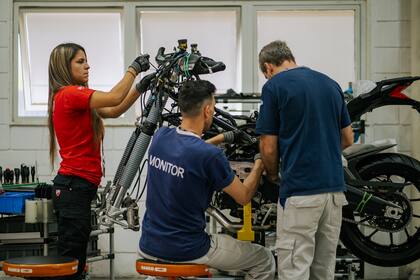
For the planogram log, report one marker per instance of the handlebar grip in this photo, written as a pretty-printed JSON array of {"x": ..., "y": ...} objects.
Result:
[
  {"x": 220, "y": 66},
  {"x": 207, "y": 65}
]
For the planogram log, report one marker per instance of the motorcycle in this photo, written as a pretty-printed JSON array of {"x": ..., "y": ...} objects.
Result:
[
  {"x": 393, "y": 238},
  {"x": 372, "y": 203}
]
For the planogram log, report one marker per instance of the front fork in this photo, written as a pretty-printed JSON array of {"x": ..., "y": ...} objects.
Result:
[{"x": 133, "y": 156}]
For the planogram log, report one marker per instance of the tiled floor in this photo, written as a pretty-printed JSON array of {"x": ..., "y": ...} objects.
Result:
[{"x": 3, "y": 277}]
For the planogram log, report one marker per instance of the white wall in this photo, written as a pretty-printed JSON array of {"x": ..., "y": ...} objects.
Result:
[
  {"x": 414, "y": 268},
  {"x": 5, "y": 108},
  {"x": 389, "y": 56},
  {"x": 389, "y": 47},
  {"x": 388, "y": 41}
]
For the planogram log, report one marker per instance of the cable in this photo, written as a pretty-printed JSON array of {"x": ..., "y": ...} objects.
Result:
[
  {"x": 145, "y": 182},
  {"x": 186, "y": 64},
  {"x": 137, "y": 184},
  {"x": 142, "y": 106},
  {"x": 134, "y": 186},
  {"x": 151, "y": 64},
  {"x": 142, "y": 191}
]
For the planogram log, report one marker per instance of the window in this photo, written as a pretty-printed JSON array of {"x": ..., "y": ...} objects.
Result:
[
  {"x": 40, "y": 31},
  {"x": 320, "y": 39},
  {"x": 324, "y": 36},
  {"x": 214, "y": 30}
]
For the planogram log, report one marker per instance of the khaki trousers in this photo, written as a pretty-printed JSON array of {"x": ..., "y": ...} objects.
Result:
[{"x": 308, "y": 230}]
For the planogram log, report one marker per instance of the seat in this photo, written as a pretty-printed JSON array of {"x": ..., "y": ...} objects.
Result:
[
  {"x": 40, "y": 266},
  {"x": 361, "y": 149},
  {"x": 171, "y": 270}
]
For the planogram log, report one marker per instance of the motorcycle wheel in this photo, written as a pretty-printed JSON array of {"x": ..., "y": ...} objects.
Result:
[{"x": 397, "y": 241}]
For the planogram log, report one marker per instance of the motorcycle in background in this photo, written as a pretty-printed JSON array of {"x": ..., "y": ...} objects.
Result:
[{"x": 393, "y": 238}]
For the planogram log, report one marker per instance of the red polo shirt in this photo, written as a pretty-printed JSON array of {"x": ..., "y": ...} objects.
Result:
[{"x": 73, "y": 128}]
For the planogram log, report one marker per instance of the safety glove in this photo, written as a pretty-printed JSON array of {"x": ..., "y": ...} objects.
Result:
[
  {"x": 232, "y": 136},
  {"x": 141, "y": 63}
]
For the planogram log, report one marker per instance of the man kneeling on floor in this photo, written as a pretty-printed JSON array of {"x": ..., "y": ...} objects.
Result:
[{"x": 183, "y": 173}]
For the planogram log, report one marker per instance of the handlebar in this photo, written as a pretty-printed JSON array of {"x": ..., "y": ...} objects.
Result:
[{"x": 188, "y": 63}]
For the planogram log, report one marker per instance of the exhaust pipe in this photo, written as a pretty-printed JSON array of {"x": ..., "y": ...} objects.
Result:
[
  {"x": 223, "y": 220},
  {"x": 226, "y": 223}
]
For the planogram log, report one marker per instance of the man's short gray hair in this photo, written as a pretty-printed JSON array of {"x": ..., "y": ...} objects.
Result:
[{"x": 275, "y": 53}]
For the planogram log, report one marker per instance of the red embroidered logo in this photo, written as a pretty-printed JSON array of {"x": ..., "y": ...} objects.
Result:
[{"x": 57, "y": 193}]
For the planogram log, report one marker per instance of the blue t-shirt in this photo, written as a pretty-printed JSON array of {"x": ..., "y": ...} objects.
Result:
[
  {"x": 183, "y": 172},
  {"x": 306, "y": 109}
]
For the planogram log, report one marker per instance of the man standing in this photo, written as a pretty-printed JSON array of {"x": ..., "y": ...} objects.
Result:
[
  {"x": 304, "y": 122},
  {"x": 183, "y": 173}
]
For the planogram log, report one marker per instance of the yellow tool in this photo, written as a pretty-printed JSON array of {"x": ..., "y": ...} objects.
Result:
[{"x": 246, "y": 233}]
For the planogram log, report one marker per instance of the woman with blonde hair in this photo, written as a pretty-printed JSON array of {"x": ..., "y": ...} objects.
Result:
[{"x": 75, "y": 115}]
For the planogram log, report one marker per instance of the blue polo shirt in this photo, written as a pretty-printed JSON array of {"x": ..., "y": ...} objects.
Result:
[
  {"x": 306, "y": 109},
  {"x": 183, "y": 173}
]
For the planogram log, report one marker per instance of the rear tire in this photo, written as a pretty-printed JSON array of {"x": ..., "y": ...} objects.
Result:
[{"x": 390, "y": 168}]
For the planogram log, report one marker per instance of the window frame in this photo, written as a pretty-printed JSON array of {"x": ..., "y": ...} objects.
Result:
[
  {"x": 19, "y": 10},
  {"x": 359, "y": 31},
  {"x": 247, "y": 32},
  {"x": 206, "y": 8}
]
